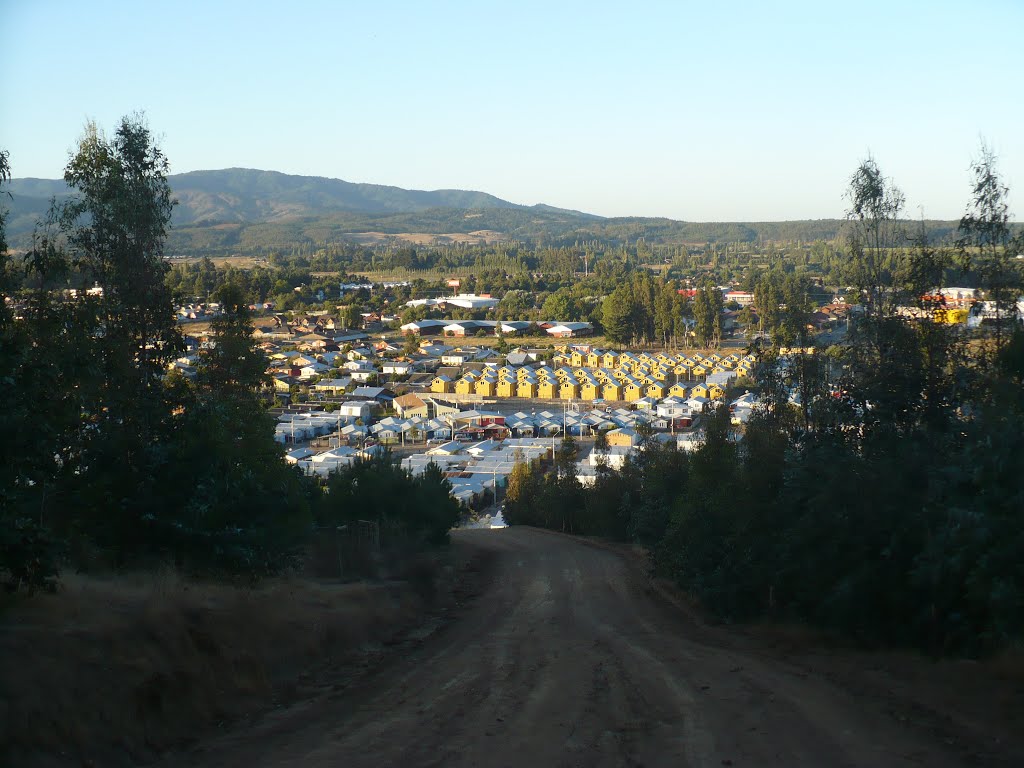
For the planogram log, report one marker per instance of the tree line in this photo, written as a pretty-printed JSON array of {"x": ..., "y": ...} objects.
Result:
[
  {"x": 879, "y": 490},
  {"x": 113, "y": 459}
]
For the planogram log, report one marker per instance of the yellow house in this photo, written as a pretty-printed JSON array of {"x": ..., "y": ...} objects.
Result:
[
  {"x": 611, "y": 391},
  {"x": 562, "y": 359},
  {"x": 683, "y": 371},
  {"x": 632, "y": 391},
  {"x": 506, "y": 388},
  {"x": 714, "y": 357},
  {"x": 715, "y": 392},
  {"x": 658, "y": 374},
  {"x": 610, "y": 359},
  {"x": 594, "y": 359},
  {"x": 547, "y": 389},
  {"x": 698, "y": 390},
  {"x": 678, "y": 390},
  {"x": 589, "y": 390},
  {"x": 569, "y": 391},
  {"x": 623, "y": 437},
  {"x": 578, "y": 359},
  {"x": 485, "y": 387},
  {"x": 743, "y": 369},
  {"x": 526, "y": 389},
  {"x": 441, "y": 384},
  {"x": 581, "y": 374},
  {"x": 657, "y": 389},
  {"x": 699, "y": 371},
  {"x": 464, "y": 386}
]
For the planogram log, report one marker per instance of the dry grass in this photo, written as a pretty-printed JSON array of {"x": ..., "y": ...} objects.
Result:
[{"x": 116, "y": 671}]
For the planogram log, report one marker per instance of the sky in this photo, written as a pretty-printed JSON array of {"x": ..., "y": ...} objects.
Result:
[{"x": 738, "y": 111}]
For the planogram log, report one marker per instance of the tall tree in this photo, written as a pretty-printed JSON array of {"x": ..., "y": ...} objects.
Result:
[
  {"x": 241, "y": 507},
  {"x": 875, "y": 207},
  {"x": 707, "y": 315},
  {"x": 25, "y": 552},
  {"x": 5, "y": 177},
  {"x": 114, "y": 227},
  {"x": 617, "y": 316},
  {"x": 986, "y": 242}
]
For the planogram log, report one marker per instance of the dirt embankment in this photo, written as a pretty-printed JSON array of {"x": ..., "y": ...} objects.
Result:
[{"x": 115, "y": 672}]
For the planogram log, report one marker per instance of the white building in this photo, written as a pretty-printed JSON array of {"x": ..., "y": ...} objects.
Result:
[{"x": 471, "y": 301}]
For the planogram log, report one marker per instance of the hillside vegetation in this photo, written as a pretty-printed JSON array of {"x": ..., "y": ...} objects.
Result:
[{"x": 247, "y": 211}]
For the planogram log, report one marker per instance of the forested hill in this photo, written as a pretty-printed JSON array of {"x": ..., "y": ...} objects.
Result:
[
  {"x": 249, "y": 211},
  {"x": 246, "y": 195}
]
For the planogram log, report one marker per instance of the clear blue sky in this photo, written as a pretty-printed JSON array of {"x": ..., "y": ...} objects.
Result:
[{"x": 697, "y": 111}]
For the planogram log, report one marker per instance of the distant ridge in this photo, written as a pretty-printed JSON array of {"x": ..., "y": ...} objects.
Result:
[
  {"x": 242, "y": 210},
  {"x": 248, "y": 195}
]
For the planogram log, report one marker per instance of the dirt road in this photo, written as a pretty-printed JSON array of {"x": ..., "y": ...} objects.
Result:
[{"x": 569, "y": 658}]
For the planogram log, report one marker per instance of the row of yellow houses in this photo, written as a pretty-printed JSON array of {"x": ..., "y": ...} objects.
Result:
[
  {"x": 658, "y": 365},
  {"x": 572, "y": 378},
  {"x": 597, "y": 358}
]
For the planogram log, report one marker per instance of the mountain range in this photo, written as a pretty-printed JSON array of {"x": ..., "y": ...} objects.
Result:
[
  {"x": 248, "y": 195},
  {"x": 241, "y": 210}
]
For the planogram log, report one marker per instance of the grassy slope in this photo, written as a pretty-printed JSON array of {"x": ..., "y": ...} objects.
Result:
[{"x": 117, "y": 671}]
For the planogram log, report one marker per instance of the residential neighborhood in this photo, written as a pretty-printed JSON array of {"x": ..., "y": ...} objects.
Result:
[{"x": 454, "y": 392}]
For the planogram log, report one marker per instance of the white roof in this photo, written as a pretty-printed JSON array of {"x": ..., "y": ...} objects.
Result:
[{"x": 445, "y": 449}]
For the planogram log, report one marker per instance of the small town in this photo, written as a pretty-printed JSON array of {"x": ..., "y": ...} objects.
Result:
[
  {"x": 521, "y": 384},
  {"x": 344, "y": 396},
  {"x": 425, "y": 395}
]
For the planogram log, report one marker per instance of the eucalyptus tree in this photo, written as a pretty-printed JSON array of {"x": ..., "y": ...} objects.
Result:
[
  {"x": 115, "y": 228},
  {"x": 875, "y": 231},
  {"x": 110, "y": 237},
  {"x": 987, "y": 243}
]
